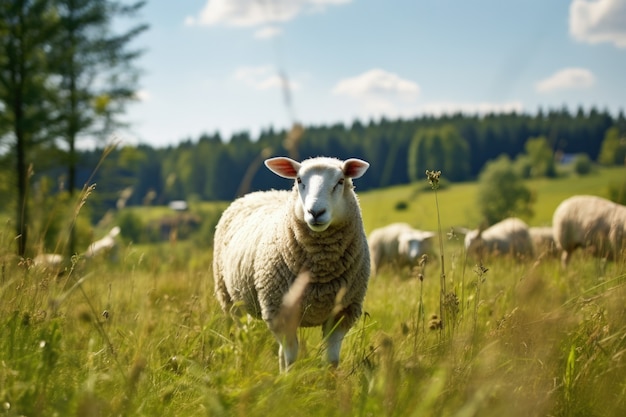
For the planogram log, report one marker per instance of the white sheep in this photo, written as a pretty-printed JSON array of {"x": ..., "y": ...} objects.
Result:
[
  {"x": 49, "y": 260},
  {"x": 56, "y": 261},
  {"x": 507, "y": 237},
  {"x": 399, "y": 244},
  {"x": 590, "y": 222},
  {"x": 103, "y": 245},
  {"x": 543, "y": 240},
  {"x": 296, "y": 258}
]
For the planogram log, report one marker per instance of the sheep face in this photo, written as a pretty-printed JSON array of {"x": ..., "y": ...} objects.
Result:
[
  {"x": 471, "y": 240},
  {"x": 320, "y": 183},
  {"x": 413, "y": 244}
]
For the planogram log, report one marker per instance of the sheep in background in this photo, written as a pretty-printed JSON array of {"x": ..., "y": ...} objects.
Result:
[
  {"x": 55, "y": 261},
  {"x": 507, "y": 237},
  {"x": 103, "y": 245},
  {"x": 543, "y": 240},
  {"x": 398, "y": 244},
  {"x": 589, "y": 222},
  {"x": 299, "y": 257}
]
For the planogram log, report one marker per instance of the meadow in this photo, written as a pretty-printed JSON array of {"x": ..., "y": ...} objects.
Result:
[{"x": 143, "y": 335}]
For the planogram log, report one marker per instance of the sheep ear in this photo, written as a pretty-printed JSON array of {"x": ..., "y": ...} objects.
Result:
[
  {"x": 283, "y": 166},
  {"x": 354, "y": 168}
]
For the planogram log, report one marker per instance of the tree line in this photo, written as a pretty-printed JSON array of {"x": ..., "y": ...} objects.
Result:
[{"x": 210, "y": 168}]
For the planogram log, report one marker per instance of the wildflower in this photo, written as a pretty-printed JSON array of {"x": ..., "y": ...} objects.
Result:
[
  {"x": 435, "y": 322},
  {"x": 433, "y": 178}
]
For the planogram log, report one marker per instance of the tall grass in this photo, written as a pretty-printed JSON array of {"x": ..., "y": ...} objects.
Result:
[{"x": 145, "y": 336}]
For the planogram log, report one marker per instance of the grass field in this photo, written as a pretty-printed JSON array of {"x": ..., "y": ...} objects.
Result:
[{"x": 144, "y": 336}]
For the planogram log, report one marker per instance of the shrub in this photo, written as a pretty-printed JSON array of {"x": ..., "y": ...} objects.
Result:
[
  {"x": 501, "y": 191},
  {"x": 131, "y": 225},
  {"x": 582, "y": 164}
]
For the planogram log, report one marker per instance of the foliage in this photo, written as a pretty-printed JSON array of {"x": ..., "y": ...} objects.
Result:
[
  {"x": 440, "y": 148},
  {"x": 132, "y": 227},
  {"x": 540, "y": 157},
  {"x": 613, "y": 149},
  {"x": 25, "y": 96},
  {"x": 582, "y": 164},
  {"x": 502, "y": 193},
  {"x": 62, "y": 70},
  {"x": 54, "y": 214},
  {"x": 523, "y": 166},
  {"x": 93, "y": 65}
]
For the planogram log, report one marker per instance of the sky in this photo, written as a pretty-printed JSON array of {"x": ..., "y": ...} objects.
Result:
[{"x": 232, "y": 66}]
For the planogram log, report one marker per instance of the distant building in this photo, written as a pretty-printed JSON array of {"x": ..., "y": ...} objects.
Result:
[
  {"x": 564, "y": 158},
  {"x": 178, "y": 205}
]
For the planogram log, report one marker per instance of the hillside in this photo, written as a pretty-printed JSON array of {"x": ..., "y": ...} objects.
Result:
[{"x": 457, "y": 205}]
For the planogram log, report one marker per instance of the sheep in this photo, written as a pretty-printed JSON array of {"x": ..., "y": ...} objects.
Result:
[
  {"x": 52, "y": 261},
  {"x": 590, "y": 222},
  {"x": 296, "y": 258},
  {"x": 543, "y": 240},
  {"x": 56, "y": 261},
  {"x": 103, "y": 245},
  {"x": 398, "y": 244},
  {"x": 509, "y": 236}
]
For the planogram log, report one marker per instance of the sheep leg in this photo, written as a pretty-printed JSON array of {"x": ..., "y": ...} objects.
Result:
[
  {"x": 565, "y": 258},
  {"x": 287, "y": 351},
  {"x": 334, "y": 338}
]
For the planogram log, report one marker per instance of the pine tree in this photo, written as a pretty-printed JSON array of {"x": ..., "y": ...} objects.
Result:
[
  {"x": 26, "y": 28},
  {"x": 96, "y": 72}
]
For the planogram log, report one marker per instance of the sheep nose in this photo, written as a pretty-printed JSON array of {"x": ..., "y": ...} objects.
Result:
[{"x": 316, "y": 213}]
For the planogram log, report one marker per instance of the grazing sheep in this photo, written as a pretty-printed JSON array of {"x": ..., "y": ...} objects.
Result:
[
  {"x": 590, "y": 222},
  {"x": 398, "y": 244},
  {"x": 543, "y": 241},
  {"x": 509, "y": 236},
  {"x": 100, "y": 246},
  {"x": 299, "y": 257},
  {"x": 52, "y": 261},
  {"x": 103, "y": 245}
]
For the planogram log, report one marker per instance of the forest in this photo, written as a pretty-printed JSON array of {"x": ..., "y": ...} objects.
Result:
[{"x": 212, "y": 168}]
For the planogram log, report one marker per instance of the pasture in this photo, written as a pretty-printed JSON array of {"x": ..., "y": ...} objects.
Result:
[{"x": 144, "y": 335}]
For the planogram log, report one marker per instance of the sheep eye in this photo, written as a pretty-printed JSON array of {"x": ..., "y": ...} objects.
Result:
[
  {"x": 299, "y": 181},
  {"x": 340, "y": 182}
]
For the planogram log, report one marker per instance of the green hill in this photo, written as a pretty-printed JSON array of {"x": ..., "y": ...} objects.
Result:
[{"x": 457, "y": 202}]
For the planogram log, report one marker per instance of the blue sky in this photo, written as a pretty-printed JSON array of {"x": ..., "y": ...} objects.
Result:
[{"x": 215, "y": 66}]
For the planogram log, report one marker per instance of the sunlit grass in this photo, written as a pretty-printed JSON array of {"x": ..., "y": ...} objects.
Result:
[{"x": 144, "y": 335}]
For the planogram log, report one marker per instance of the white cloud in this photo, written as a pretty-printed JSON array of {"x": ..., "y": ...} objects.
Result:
[
  {"x": 263, "y": 78},
  {"x": 598, "y": 21},
  {"x": 268, "y": 32},
  {"x": 566, "y": 79},
  {"x": 256, "y": 12},
  {"x": 377, "y": 84},
  {"x": 143, "y": 95},
  {"x": 379, "y": 93}
]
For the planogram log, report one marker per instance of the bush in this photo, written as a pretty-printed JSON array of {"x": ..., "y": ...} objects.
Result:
[
  {"x": 613, "y": 149},
  {"x": 523, "y": 166},
  {"x": 501, "y": 192},
  {"x": 132, "y": 226},
  {"x": 582, "y": 164}
]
